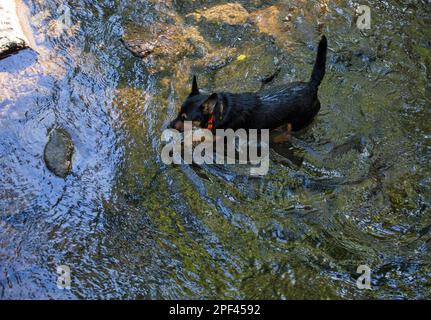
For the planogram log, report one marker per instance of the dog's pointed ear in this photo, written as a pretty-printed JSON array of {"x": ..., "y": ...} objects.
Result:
[
  {"x": 195, "y": 87},
  {"x": 209, "y": 105}
]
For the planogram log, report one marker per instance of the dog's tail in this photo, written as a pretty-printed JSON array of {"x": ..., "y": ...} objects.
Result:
[{"x": 320, "y": 64}]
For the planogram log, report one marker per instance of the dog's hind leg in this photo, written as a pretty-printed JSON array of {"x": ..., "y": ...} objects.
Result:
[{"x": 285, "y": 136}]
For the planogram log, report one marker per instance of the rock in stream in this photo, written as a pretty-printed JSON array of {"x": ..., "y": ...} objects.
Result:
[
  {"x": 12, "y": 38},
  {"x": 58, "y": 153}
]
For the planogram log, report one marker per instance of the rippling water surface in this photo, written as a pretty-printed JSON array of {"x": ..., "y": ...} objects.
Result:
[{"x": 352, "y": 189}]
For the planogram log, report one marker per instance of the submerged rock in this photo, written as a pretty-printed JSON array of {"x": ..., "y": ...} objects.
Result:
[
  {"x": 216, "y": 60},
  {"x": 177, "y": 47},
  {"x": 269, "y": 21},
  {"x": 12, "y": 38},
  {"x": 58, "y": 153},
  {"x": 164, "y": 41},
  {"x": 230, "y": 13}
]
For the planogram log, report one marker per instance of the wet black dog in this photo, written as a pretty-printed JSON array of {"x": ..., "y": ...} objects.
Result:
[{"x": 294, "y": 105}]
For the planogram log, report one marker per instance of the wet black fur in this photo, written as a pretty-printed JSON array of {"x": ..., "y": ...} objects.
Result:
[{"x": 296, "y": 103}]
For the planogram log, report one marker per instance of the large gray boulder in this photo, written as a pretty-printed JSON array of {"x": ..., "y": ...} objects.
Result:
[{"x": 12, "y": 38}]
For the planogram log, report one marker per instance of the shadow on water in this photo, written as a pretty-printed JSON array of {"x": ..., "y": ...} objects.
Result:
[{"x": 352, "y": 189}]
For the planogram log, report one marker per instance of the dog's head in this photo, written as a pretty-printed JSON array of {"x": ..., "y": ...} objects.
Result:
[{"x": 197, "y": 108}]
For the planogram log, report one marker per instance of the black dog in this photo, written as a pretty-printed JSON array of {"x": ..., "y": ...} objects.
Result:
[{"x": 293, "y": 105}]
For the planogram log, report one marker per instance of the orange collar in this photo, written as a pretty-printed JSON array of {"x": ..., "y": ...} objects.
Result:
[
  {"x": 211, "y": 122},
  {"x": 211, "y": 119}
]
